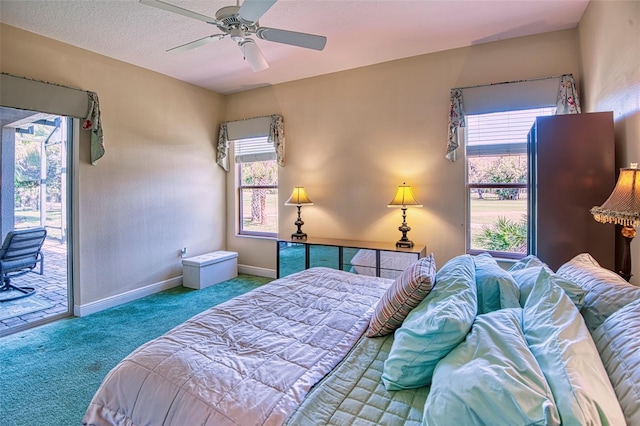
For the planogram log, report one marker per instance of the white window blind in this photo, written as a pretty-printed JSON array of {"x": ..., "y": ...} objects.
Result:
[
  {"x": 250, "y": 150},
  {"x": 501, "y": 133}
]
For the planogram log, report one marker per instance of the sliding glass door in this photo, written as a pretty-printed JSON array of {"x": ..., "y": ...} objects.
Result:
[{"x": 35, "y": 192}]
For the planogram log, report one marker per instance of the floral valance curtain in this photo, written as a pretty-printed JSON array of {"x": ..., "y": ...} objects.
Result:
[
  {"x": 456, "y": 121},
  {"x": 41, "y": 96},
  {"x": 274, "y": 132},
  {"x": 93, "y": 122},
  {"x": 567, "y": 102},
  {"x": 222, "y": 151}
]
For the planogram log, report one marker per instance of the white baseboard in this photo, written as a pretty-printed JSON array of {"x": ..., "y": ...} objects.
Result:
[
  {"x": 129, "y": 296},
  {"x": 254, "y": 270}
]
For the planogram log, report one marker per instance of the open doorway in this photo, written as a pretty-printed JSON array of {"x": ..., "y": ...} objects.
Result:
[{"x": 34, "y": 193}]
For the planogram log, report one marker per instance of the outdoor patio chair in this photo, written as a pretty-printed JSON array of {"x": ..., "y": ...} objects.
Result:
[{"x": 20, "y": 253}]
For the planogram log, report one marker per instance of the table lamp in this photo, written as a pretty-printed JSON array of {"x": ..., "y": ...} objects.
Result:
[
  {"x": 404, "y": 197},
  {"x": 299, "y": 198},
  {"x": 623, "y": 208}
]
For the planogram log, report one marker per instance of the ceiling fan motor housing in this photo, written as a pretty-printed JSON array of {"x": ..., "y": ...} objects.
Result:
[{"x": 229, "y": 21}]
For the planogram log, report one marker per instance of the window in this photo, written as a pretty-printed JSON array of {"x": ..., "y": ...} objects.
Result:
[
  {"x": 497, "y": 180},
  {"x": 257, "y": 173}
]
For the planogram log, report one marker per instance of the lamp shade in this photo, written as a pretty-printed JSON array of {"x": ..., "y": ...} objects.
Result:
[
  {"x": 623, "y": 205},
  {"x": 404, "y": 197},
  {"x": 298, "y": 197}
]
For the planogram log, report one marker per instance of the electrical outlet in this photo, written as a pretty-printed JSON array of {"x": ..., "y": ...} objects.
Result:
[{"x": 183, "y": 252}]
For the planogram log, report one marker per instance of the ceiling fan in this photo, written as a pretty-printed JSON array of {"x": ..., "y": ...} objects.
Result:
[{"x": 239, "y": 23}]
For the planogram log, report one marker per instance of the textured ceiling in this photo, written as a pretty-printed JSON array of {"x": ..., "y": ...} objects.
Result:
[{"x": 359, "y": 33}]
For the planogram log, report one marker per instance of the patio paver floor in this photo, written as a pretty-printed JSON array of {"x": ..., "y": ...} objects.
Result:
[{"x": 52, "y": 286}]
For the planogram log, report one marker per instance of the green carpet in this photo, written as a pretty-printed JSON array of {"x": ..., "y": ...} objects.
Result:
[{"x": 49, "y": 374}]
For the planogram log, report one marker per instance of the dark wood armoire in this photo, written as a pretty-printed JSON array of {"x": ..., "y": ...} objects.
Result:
[{"x": 571, "y": 169}]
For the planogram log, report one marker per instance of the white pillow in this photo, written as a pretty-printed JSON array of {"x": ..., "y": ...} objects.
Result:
[
  {"x": 618, "y": 342},
  {"x": 606, "y": 291}
]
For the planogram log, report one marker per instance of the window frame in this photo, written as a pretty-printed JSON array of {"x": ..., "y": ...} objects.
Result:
[
  {"x": 499, "y": 149},
  {"x": 240, "y": 187}
]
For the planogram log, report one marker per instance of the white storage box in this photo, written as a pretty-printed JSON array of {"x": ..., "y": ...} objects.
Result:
[{"x": 208, "y": 269}]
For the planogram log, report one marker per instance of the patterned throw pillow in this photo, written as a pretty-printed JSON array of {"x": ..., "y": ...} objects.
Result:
[{"x": 405, "y": 293}]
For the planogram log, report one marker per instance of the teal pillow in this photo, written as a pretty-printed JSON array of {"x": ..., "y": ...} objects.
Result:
[
  {"x": 567, "y": 355},
  {"x": 434, "y": 327},
  {"x": 496, "y": 287},
  {"x": 491, "y": 378},
  {"x": 526, "y": 262},
  {"x": 526, "y": 279}
]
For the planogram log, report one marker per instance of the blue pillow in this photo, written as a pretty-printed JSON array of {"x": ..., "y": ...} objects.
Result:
[
  {"x": 567, "y": 355},
  {"x": 434, "y": 327},
  {"x": 496, "y": 287},
  {"x": 526, "y": 262},
  {"x": 491, "y": 378},
  {"x": 526, "y": 279}
]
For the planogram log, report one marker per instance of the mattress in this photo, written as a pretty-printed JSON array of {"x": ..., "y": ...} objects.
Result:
[{"x": 249, "y": 361}]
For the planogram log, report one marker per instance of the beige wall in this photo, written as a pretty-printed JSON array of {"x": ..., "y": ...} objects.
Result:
[
  {"x": 352, "y": 137},
  {"x": 609, "y": 37},
  {"x": 157, "y": 189}
]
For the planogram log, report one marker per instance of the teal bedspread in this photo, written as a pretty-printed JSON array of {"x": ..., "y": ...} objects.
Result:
[{"x": 353, "y": 393}]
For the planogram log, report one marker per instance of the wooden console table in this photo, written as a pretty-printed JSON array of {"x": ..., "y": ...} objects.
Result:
[{"x": 337, "y": 253}]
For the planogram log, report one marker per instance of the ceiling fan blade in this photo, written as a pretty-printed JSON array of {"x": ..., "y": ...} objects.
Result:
[
  {"x": 197, "y": 43},
  {"x": 180, "y": 11},
  {"x": 253, "y": 55},
  {"x": 309, "y": 41},
  {"x": 252, "y": 10}
]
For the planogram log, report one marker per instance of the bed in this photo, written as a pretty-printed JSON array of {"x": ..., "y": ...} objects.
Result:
[{"x": 325, "y": 346}]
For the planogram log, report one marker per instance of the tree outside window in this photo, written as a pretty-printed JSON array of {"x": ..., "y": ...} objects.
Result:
[
  {"x": 259, "y": 198},
  {"x": 497, "y": 181}
]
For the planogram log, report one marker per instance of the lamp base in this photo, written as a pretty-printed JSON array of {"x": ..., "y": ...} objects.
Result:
[
  {"x": 299, "y": 235},
  {"x": 628, "y": 233},
  {"x": 404, "y": 244},
  {"x": 404, "y": 228}
]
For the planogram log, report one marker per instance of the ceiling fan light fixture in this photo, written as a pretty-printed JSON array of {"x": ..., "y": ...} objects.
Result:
[{"x": 253, "y": 55}]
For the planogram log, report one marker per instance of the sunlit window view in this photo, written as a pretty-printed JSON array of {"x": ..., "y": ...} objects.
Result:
[
  {"x": 258, "y": 187},
  {"x": 40, "y": 177},
  {"x": 497, "y": 176}
]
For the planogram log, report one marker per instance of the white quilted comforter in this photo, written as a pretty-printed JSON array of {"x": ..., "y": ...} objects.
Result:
[{"x": 249, "y": 361}]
